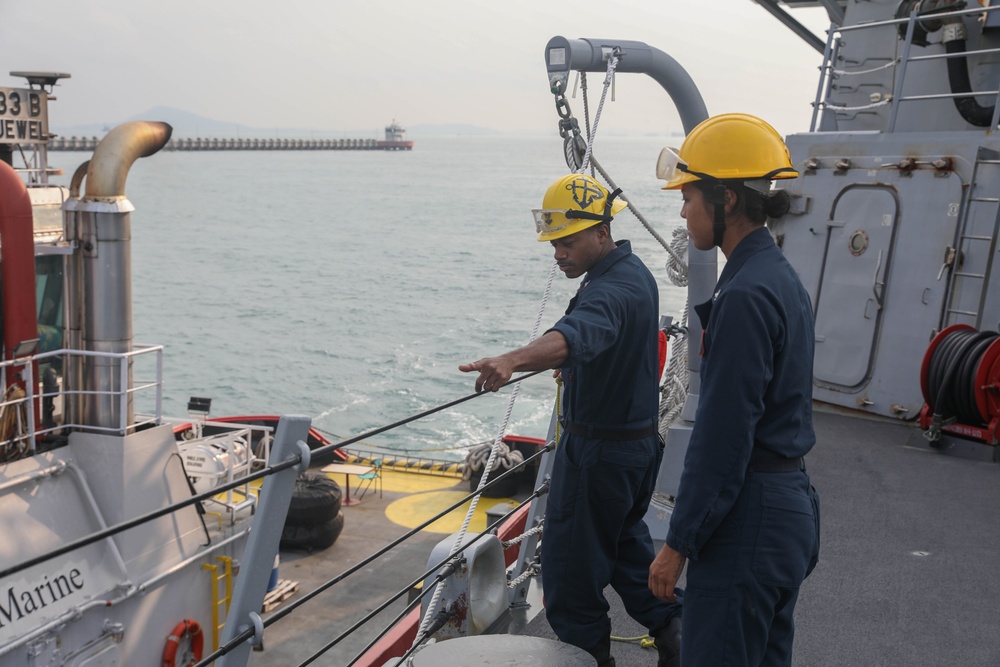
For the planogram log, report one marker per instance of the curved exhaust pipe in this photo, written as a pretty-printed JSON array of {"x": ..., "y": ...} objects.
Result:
[
  {"x": 99, "y": 303},
  {"x": 116, "y": 152}
]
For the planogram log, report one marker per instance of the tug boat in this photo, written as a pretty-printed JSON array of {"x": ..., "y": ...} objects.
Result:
[{"x": 893, "y": 232}]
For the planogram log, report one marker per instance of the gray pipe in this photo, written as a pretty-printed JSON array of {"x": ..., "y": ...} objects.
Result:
[
  {"x": 563, "y": 55},
  {"x": 102, "y": 265}
]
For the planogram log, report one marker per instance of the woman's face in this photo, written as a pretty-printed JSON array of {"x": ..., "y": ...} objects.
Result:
[{"x": 699, "y": 216}]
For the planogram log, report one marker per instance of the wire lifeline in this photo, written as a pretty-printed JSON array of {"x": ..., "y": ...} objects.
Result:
[
  {"x": 277, "y": 616},
  {"x": 334, "y": 446},
  {"x": 265, "y": 472},
  {"x": 149, "y": 516},
  {"x": 436, "y": 599}
]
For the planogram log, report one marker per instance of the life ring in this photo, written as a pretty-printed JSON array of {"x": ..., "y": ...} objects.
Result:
[{"x": 187, "y": 628}]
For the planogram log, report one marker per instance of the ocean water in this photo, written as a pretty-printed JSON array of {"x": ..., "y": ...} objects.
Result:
[{"x": 348, "y": 286}]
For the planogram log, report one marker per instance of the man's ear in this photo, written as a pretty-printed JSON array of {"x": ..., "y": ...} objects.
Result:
[{"x": 730, "y": 200}]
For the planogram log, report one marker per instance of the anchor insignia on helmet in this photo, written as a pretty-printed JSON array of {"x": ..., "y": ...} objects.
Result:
[{"x": 584, "y": 192}]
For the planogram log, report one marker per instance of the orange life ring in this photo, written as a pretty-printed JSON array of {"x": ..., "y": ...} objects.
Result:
[{"x": 189, "y": 628}]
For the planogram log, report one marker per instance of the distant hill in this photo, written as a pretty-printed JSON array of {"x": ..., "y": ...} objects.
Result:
[{"x": 187, "y": 124}]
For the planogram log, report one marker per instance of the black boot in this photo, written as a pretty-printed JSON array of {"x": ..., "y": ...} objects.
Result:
[
  {"x": 602, "y": 652},
  {"x": 668, "y": 644}
]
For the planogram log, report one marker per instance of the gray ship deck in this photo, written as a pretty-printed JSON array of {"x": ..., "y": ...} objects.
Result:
[{"x": 909, "y": 571}]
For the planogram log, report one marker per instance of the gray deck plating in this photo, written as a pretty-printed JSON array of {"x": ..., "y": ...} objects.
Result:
[{"x": 908, "y": 573}]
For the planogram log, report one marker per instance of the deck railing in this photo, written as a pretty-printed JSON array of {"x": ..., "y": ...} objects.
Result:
[
  {"x": 829, "y": 72},
  {"x": 21, "y": 426}
]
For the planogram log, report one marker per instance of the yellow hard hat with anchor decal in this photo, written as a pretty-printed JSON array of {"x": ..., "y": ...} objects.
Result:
[{"x": 574, "y": 203}]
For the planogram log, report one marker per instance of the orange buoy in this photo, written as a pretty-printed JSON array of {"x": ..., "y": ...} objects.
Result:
[{"x": 187, "y": 628}]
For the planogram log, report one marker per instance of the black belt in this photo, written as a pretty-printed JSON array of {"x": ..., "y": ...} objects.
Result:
[
  {"x": 608, "y": 433},
  {"x": 765, "y": 462}
]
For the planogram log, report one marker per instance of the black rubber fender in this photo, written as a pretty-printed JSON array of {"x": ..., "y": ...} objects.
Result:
[
  {"x": 315, "y": 500},
  {"x": 504, "y": 489},
  {"x": 312, "y": 538}
]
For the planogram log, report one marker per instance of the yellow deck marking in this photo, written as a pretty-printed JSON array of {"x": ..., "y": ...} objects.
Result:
[
  {"x": 413, "y": 510},
  {"x": 408, "y": 482}
]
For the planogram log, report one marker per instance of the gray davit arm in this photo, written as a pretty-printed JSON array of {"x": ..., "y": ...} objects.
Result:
[{"x": 590, "y": 55}]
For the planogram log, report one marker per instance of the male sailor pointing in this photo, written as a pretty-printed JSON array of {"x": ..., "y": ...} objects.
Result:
[{"x": 607, "y": 460}]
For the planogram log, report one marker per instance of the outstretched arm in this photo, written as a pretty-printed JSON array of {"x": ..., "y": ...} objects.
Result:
[{"x": 549, "y": 351}]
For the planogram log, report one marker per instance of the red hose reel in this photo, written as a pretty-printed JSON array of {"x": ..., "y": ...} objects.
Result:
[{"x": 982, "y": 385}]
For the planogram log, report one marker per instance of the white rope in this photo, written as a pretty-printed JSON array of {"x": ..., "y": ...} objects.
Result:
[
  {"x": 677, "y": 269},
  {"x": 528, "y": 573},
  {"x": 844, "y": 72},
  {"x": 501, "y": 431},
  {"x": 873, "y": 105},
  {"x": 673, "y": 393},
  {"x": 612, "y": 64},
  {"x": 676, "y": 256},
  {"x": 523, "y": 536}
]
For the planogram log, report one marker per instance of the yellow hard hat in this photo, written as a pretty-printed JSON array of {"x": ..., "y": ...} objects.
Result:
[
  {"x": 574, "y": 203},
  {"x": 728, "y": 147}
]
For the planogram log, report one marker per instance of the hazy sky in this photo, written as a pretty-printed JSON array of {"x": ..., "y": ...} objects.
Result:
[{"x": 337, "y": 65}]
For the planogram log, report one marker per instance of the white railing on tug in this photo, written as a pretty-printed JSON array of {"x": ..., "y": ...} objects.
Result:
[{"x": 23, "y": 407}]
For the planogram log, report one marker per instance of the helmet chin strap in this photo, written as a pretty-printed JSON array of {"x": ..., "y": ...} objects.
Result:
[{"x": 719, "y": 202}]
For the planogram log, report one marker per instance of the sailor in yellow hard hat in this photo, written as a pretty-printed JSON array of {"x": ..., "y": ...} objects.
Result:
[
  {"x": 730, "y": 160},
  {"x": 605, "y": 466},
  {"x": 746, "y": 518}
]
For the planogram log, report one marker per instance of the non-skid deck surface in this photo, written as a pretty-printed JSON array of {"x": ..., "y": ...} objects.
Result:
[{"x": 909, "y": 569}]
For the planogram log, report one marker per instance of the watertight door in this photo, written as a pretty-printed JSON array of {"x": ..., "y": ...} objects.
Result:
[{"x": 853, "y": 285}]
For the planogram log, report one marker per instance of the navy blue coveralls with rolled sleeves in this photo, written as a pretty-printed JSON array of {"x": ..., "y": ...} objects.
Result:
[
  {"x": 746, "y": 515},
  {"x": 602, "y": 482}
]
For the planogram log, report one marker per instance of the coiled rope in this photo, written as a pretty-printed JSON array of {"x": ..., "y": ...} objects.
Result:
[{"x": 479, "y": 455}]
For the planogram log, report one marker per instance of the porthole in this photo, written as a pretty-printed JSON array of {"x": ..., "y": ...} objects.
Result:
[{"x": 858, "y": 242}]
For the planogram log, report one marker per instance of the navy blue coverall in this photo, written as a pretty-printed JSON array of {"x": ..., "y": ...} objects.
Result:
[
  {"x": 746, "y": 515},
  {"x": 604, "y": 475}
]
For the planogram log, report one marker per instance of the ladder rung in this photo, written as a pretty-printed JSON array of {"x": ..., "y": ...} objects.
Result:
[
  {"x": 976, "y": 238},
  {"x": 987, "y": 200},
  {"x": 962, "y": 312},
  {"x": 970, "y": 275}
]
